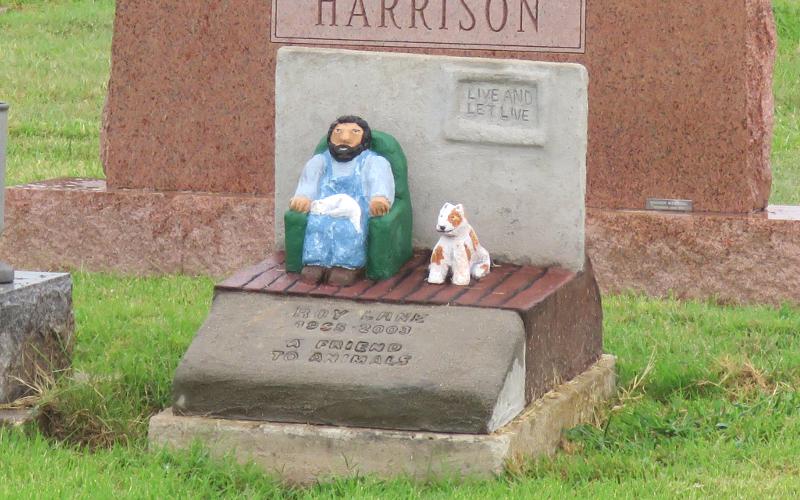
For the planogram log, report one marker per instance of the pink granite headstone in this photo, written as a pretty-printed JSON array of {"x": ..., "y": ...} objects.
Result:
[{"x": 680, "y": 93}]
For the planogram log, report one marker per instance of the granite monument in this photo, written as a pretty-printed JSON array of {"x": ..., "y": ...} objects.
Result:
[
  {"x": 681, "y": 109},
  {"x": 450, "y": 378}
]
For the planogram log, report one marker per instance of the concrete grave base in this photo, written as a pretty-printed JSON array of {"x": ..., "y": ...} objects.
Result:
[
  {"x": 300, "y": 453},
  {"x": 740, "y": 258},
  {"x": 733, "y": 258},
  {"x": 80, "y": 223},
  {"x": 399, "y": 354}
]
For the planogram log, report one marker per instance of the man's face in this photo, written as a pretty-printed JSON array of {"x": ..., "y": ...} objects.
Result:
[
  {"x": 345, "y": 141},
  {"x": 347, "y": 134}
]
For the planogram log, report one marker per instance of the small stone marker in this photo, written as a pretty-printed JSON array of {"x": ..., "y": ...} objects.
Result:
[
  {"x": 295, "y": 359},
  {"x": 36, "y": 330}
]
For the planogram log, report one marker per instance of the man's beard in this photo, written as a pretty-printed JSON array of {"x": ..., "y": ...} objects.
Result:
[{"x": 344, "y": 153}]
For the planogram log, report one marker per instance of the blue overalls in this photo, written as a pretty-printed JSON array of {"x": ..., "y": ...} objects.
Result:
[{"x": 333, "y": 241}]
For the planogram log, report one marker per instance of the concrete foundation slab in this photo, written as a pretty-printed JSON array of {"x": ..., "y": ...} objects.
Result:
[
  {"x": 300, "y": 453},
  {"x": 743, "y": 259},
  {"x": 443, "y": 369}
]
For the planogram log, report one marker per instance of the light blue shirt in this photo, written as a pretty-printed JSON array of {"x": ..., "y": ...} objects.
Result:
[{"x": 376, "y": 176}]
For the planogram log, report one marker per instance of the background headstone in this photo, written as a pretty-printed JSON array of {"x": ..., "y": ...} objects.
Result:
[
  {"x": 681, "y": 107},
  {"x": 680, "y": 97}
]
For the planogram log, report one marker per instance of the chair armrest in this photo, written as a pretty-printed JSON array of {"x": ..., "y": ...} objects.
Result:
[
  {"x": 294, "y": 237},
  {"x": 389, "y": 241}
]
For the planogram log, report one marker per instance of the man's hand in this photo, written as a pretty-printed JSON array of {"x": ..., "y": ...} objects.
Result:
[
  {"x": 379, "y": 206},
  {"x": 300, "y": 204}
]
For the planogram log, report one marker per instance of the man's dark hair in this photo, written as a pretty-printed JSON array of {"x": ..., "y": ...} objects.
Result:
[{"x": 366, "y": 139}]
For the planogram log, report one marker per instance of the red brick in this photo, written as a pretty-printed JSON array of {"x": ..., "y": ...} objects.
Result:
[
  {"x": 523, "y": 278},
  {"x": 351, "y": 292},
  {"x": 553, "y": 279},
  {"x": 282, "y": 283},
  {"x": 410, "y": 284},
  {"x": 382, "y": 287},
  {"x": 265, "y": 279},
  {"x": 301, "y": 287},
  {"x": 248, "y": 274},
  {"x": 425, "y": 293},
  {"x": 324, "y": 290},
  {"x": 476, "y": 291},
  {"x": 448, "y": 293}
]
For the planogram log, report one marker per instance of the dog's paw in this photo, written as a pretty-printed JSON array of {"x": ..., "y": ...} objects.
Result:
[
  {"x": 461, "y": 280},
  {"x": 435, "y": 278},
  {"x": 481, "y": 271}
]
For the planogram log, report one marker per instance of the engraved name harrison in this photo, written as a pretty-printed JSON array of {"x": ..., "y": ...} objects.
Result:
[
  {"x": 331, "y": 335},
  {"x": 496, "y": 15},
  {"x": 536, "y": 25}
]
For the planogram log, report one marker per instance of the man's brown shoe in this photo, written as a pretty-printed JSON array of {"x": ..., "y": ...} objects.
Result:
[
  {"x": 312, "y": 274},
  {"x": 340, "y": 276}
]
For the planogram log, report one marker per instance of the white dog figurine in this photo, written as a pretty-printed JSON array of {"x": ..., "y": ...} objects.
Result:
[{"x": 458, "y": 249}]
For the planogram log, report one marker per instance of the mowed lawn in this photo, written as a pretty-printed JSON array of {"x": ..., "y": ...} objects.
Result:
[
  {"x": 707, "y": 406},
  {"x": 708, "y": 402}
]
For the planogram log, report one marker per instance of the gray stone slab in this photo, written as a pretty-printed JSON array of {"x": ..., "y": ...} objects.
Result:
[
  {"x": 6, "y": 273},
  {"x": 306, "y": 453},
  {"x": 506, "y": 138},
  {"x": 16, "y": 417},
  {"x": 36, "y": 330},
  {"x": 3, "y": 142},
  {"x": 340, "y": 362}
]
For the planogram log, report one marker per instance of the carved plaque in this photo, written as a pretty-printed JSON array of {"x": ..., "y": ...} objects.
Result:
[
  {"x": 340, "y": 362},
  {"x": 519, "y": 25},
  {"x": 368, "y": 337},
  {"x": 496, "y": 107}
]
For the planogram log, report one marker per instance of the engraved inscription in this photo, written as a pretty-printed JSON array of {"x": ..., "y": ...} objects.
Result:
[
  {"x": 370, "y": 337},
  {"x": 527, "y": 25},
  {"x": 488, "y": 102},
  {"x": 497, "y": 107}
]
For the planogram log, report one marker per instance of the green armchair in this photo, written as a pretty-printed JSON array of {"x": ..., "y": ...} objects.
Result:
[{"x": 389, "y": 240}]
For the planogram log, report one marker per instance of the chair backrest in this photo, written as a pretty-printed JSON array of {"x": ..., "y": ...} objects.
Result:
[{"x": 388, "y": 147}]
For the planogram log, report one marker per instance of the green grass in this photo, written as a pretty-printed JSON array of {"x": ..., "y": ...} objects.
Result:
[
  {"x": 708, "y": 405},
  {"x": 55, "y": 60},
  {"x": 55, "y": 57},
  {"x": 708, "y": 402},
  {"x": 132, "y": 333},
  {"x": 786, "y": 142}
]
